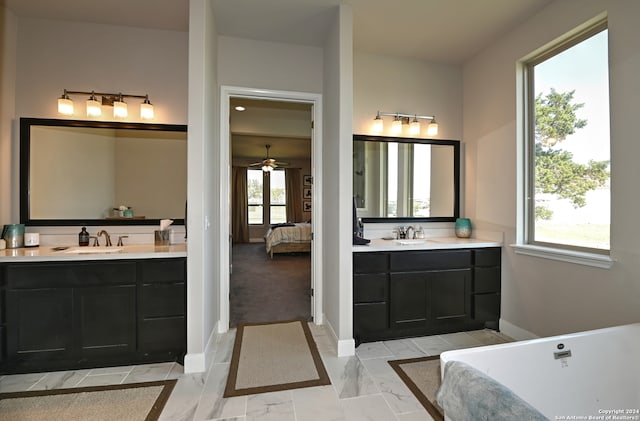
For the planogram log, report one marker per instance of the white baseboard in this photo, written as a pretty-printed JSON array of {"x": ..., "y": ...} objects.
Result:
[
  {"x": 195, "y": 363},
  {"x": 344, "y": 347},
  {"x": 199, "y": 362},
  {"x": 516, "y": 332}
]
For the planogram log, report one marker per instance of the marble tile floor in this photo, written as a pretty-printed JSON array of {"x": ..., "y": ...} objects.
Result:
[{"x": 364, "y": 387}]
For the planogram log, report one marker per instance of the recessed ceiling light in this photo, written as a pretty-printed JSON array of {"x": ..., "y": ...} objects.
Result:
[{"x": 240, "y": 108}]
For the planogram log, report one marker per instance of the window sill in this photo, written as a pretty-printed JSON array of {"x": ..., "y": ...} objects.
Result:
[{"x": 580, "y": 258}]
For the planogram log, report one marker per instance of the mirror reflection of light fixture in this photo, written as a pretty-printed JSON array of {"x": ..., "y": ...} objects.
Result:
[
  {"x": 400, "y": 119},
  {"x": 94, "y": 107}
]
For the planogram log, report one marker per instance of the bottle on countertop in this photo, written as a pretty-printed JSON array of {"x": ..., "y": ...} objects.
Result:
[{"x": 83, "y": 237}]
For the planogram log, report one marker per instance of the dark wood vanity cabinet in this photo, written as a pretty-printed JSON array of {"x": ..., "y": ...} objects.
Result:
[
  {"x": 162, "y": 306},
  {"x": 370, "y": 293},
  {"x": 486, "y": 286},
  {"x": 412, "y": 293},
  {"x": 64, "y": 315}
]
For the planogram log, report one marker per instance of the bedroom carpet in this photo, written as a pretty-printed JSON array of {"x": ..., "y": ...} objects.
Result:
[{"x": 268, "y": 290}]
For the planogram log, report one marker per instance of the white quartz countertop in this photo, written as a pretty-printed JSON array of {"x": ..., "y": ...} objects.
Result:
[
  {"x": 378, "y": 244},
  {"x": 71, "y": 253}
]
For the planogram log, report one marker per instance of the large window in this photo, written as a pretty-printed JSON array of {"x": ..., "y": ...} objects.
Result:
[
  {"x": 568, "y": 165},
  {"x": 266, "y": 197}
]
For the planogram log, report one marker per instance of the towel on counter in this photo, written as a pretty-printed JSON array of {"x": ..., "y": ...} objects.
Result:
[{"x": 467, "y": 394}]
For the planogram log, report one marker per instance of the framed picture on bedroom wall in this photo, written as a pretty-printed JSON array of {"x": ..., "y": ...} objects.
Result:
[
  {"x": 306, "y": 194},
  {"x": 306, "y": 206},
  {"x": 306, "y": 180}
]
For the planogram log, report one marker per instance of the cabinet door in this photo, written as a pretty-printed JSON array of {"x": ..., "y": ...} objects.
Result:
[
  {"x": 408, "y": 299},
  {"x": 40, "y": 323},
  {"x": 450, "y": 295},
  {"x": 370, "y": 318},
  {"x": 106, "y": 318}
]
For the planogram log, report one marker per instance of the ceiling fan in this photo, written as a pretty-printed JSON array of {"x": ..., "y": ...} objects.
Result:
[{"x": 268, "y": 164}]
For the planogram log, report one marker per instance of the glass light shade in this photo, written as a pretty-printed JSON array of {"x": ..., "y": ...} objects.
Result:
[
  {"x": 378, "y": 125},
  {"x": 396, "y": 126},
  {"x": 94, "y": 108},
  {"x": 146, "y": 111},
  {"x": 414, "y": 127},
  {"x": 432, "y": 128},
  {"x": 65, "y": 106},
  {"x": 267, "y": 168},
  {"x": 120, "y": 109}
]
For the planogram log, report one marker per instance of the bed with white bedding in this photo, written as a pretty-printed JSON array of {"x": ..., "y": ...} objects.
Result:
[{"x": 288, "y": 238}]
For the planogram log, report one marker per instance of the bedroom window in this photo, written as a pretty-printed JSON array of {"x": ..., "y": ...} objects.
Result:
[
  {"x": 267, "y": 197},
  {"x": 568, "y": 153},
  {"x": 277, "y": 198},
  {"x": 255, "y": 192}
]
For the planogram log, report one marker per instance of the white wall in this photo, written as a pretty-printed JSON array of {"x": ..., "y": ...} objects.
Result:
[
  {"x": 8, "y": 150},
  {"x": 55, "y": 55},
  {"x": 541, "y": 296},
  {"x": 337, "y": 167},
  {"x": 90, "y": 57},
  {"x": 268, "y": 65},
  {"x": 392, "y": 84},
  {"x": 203, "y": 192}
]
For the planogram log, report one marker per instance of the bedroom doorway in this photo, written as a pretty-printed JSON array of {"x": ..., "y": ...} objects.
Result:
[{"x": 271, "y": 142}]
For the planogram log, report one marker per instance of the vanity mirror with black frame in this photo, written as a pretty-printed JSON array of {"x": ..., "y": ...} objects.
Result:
[
  {"x": 405, "y": 180},
  {"x": 77, "y": 172}
]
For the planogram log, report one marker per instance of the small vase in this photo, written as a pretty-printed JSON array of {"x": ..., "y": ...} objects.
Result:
[{"x": 463, "y": 228}]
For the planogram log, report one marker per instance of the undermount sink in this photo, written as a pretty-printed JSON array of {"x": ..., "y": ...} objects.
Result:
[
  {"x": 92, "y": 250},
  {"x": 408, "y": 241}
]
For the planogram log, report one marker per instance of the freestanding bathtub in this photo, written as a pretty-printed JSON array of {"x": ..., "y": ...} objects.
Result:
[{"x": 581, "y": 376}]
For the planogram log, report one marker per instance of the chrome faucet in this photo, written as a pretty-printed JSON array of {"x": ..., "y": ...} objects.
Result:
[
  {"x": 106, "y": 236},
  {"x": 405, "y": 232}
]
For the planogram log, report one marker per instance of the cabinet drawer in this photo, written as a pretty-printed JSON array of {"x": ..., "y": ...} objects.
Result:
[
  {"x": 486, "y": 279},
  {"x": 370, "y": 288},
  {"x": 487, "y": 257},
  {"x": 486, "y": 307},
  {"x": 370, "y": 318},
  {"x": 162, "y": 300},
  {"x": 428, "y": 260},
  {"x": 163, "y": 270},
  {"x": 370, "y": 262},
  {"x": 27, "y": 276},
  {"x": 162, "y": 334}
]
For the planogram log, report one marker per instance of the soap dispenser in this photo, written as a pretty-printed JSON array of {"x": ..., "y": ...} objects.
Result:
[{"x": 83, "y": 237}]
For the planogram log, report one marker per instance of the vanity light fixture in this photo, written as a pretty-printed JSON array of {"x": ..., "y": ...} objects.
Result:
[
  {"x": 400, "y": 120},
  {"x": 94, "y": 106},
  {"x": 146, "y": 109},
  {"x": 120, "y": 108},
  {"x": 65, "y": 105}
]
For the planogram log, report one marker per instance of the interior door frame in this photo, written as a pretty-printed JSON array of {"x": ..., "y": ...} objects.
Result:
[{"x": 315, "y": 100}]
